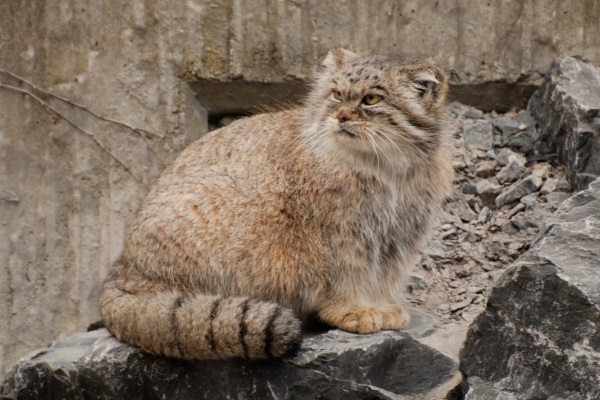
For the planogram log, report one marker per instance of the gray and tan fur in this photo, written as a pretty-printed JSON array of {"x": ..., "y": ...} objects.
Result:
[{"x": 319, "y": 209}]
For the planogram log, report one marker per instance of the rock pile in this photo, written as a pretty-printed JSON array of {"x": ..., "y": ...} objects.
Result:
[
  {"x": 507, "y": 185},
  {"x": 539, "y": 336}
]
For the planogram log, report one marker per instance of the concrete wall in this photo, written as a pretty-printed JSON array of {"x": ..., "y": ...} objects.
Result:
[{"x": 70, "y": 175}]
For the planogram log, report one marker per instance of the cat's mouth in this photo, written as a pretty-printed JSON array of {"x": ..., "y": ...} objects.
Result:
[{"x": 346, "y": 131}]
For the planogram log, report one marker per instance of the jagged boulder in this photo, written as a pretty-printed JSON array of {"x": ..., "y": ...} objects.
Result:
[
  {"x": 539, "y": 337},
  {"x": 567, "y": 109},
  {"x": 332, "y": 365}
]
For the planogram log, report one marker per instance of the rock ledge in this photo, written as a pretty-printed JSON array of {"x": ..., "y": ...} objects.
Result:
[{"x": 332, "y": 365}]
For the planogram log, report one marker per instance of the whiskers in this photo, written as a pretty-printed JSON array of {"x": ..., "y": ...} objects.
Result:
[
  {"x": 409, "y": 148},
  {"x": 378, "y": 146},
  {"x": 310, "y": 137}
]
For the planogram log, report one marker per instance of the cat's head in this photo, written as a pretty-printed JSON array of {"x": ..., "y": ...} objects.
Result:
[{"x": 377, "y": 108}]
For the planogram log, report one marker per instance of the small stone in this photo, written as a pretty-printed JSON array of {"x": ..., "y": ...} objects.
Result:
[
  {"x": 530, "y": 199},
  {"x": 417, "y": 282},
  {"x": 515, "y": 246},
  {"x": 446, "y": 218},
  {"x": 518, "y": 190},
  {"x": 464, "y": 212},
  {"x": 510, "y": 172},
  {"x": 478, "y": 154},
  {"x": 476, "y": 289},
  {"x": 468, "y": 236},
  {"x": 509, "y": 228},
  {"x": 549, "y": 186},
  {"x": 466, "y": 246},
  {"x": 485, "y": 169},
  {"x": 444, "y": 307},
  {"x": 446, "y": 274},
  {"x": 427, "y": 263},
  {"x": 504, "y": 157},
  {"x": 464, "y": 271},
  {"x": 506, "y": 126},
  {"x": 479, "y": 135},
  {"x": 494, "y": 250},
  {"x": 446, "y": 227},
  {"x": 458, "y": 165},
  {"x": 474, "y": 202},
  {"x": 515, "y": 210},
  {"x": 488, "y": 267},
  {"x": 542, "y": 170},
  {"x": 563, "y": 185},
  {"x": 484, "y": 215},
  {"x": 435, "y": 252},
  {"x": 525, "y": 119},
  {"x": 488, "y": 192},
  {"x": 454, "y": 284},
  {"x": 521, "y": 221},
  {"x": 448, "y": 233},
  {"x": 468, "y": 188},
  {"x": 459, "y": 306}
]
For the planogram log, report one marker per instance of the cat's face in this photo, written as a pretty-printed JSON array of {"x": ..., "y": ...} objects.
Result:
[{"x": 372, "y": 105}]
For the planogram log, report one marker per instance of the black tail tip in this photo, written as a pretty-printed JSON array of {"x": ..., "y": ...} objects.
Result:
[
  {"x": 286, "y": 335},
  {"x": 94, "y": 326},
  {"x": 293, "y": 347}
]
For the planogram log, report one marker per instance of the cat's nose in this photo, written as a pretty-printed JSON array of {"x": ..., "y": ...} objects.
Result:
[{"x": 342, "y": 117}]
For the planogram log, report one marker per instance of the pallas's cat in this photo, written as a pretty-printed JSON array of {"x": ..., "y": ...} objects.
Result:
[{"x": 318, "y": 210}]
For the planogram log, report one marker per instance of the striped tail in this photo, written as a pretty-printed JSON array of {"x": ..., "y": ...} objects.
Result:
[{"x": 197, "y": 326}]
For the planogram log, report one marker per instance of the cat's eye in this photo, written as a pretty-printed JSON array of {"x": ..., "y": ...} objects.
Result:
[
  {"x": 337, "y": 95},
  {"x": 371, "y": 99}
]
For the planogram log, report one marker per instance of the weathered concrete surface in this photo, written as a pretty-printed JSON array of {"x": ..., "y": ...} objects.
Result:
[
  {"x": 567, "y": 108},
  {"x": 65, "y": 195},
  {"x": 539, "y": 336},
  {"x": 332, "y": 365}
]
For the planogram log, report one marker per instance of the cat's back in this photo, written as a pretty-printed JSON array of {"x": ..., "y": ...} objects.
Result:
[
  {"x": 228, "y": 188},
  {"x": 249, "y": 140}
]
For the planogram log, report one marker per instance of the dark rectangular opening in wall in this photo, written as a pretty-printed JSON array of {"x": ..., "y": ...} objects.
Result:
[
  {"x": 501, "y": 97},
  {"x": 241, "y": 98}
]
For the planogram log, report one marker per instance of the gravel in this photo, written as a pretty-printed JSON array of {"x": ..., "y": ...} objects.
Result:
[{"x": 503, "y": 192}]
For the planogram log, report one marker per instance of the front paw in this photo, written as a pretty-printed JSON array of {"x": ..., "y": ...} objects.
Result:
[
  {"x": 356, "y": 320},
  {"x": 395, "y": 317}
]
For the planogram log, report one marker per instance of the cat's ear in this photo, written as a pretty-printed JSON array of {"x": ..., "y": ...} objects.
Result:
[
  {"x": 431, "y": 85},
  {"x": 337, "y": 58}
]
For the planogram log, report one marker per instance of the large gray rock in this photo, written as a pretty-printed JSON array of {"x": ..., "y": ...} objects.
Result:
[
  {"x": 539, "y": 337},
  {"x": 332, "y": 365},
  {"x": 567, "y": 109}
]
